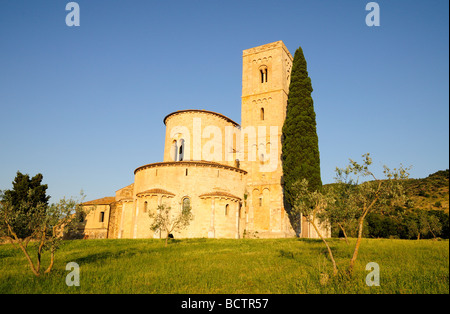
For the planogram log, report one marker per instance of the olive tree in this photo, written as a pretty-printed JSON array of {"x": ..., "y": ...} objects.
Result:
[
  {"x": 369, "y": 196},
  {"x": 312, "y": 205},
  {"x": 166, "y": 220},
  {"x": 25, "y": 217}
]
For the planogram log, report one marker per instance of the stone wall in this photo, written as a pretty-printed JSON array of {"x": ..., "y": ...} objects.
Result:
[{"x": 210, "y": 187}]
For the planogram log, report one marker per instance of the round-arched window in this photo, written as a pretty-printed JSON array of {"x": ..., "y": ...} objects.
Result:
[
  {"x": 174, "y": 150},
  {"x": 186, "y": 204},
  {"x": 263, "y": 73},
  {"x": 181, "y": 150}
]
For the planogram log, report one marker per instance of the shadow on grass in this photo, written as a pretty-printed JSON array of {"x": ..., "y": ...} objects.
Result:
[
  {"x": 8, "y": 253},
  {"x": 309, "y": 240},
  {"x": 96, "y": 257},
  {"x": 317, "y": 248},
  {"x": 286, "y": 254}
]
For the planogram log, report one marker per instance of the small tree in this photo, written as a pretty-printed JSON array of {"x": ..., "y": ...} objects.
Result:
[
  {"x": 22, "y": 223},
  {"x": 372, "y": 195},
  {"x": 165, "y": 220},
  {"x": 341, "y": 212},
  {"x": 47, "y": 224},
  {"x": 59, "y": 219},
  {"x": 424, "y": 223},
  {"x": 434, "y": 225},
  {"x": 25, "y": 216},
  {"x": 311, "y": 204}
]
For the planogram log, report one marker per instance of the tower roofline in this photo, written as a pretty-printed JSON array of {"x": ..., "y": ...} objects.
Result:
[{"x": 274, "y": 45}]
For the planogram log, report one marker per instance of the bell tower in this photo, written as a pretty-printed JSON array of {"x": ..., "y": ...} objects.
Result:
[{"x": 265, "y": 86}]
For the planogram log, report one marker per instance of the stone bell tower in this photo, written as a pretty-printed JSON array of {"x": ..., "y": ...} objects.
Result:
[{"x": 265, "y": 87}]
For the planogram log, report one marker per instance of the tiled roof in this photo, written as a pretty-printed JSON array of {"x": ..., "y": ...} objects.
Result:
[{"x": 101, "y": 201}]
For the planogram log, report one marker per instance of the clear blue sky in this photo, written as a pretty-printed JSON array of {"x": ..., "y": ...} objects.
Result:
[{"x": 84, "y": 105}]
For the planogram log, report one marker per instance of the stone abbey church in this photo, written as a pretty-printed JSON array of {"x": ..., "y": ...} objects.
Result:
[{"x": 228, "y": 174}]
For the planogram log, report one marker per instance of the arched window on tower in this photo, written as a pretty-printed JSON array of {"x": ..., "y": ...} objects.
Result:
[
  {"x": 174, "y": 150},
  {"x": 261, "y": 114},
  {"x": 181, "y": 150},
  {"x": 263, "y": 72}
]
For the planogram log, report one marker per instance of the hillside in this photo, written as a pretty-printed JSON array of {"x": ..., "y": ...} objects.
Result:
[
  {"x": 427, "y": 209},
  {"x": 430, "y": 193}
]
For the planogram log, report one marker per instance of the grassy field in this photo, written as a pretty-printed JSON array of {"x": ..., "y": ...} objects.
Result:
[{"x": 232, "y": 266}]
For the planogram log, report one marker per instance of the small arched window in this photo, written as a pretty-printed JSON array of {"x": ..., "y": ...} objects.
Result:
[
  {"x": 180, "y": 151},
  {"x": 261, "y": 114},
  {"x": 174, "y": 150},
  {"x": 263, "y": 72},
  {"x": 186, "y": 204},
  {"x": 227, "y": 207},
  {"x": 145, "y": 206}
]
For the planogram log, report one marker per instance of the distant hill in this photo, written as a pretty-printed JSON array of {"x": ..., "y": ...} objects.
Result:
[
  {"x": 430, "y": 193},
  {"x": 429, "y": 196}
]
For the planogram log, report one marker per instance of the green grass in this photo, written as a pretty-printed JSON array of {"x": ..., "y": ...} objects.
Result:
[{"x": 232, "y": 266}]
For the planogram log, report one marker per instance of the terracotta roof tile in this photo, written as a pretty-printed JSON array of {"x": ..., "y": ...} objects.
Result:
[{"x": 101, "y": 201}]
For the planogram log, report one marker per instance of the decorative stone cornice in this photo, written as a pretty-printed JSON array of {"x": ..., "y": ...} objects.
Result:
[
  {"x": 190, "y": 164},
  {"x": 220, "y": 194},
  {"x": 201, "y": 111},
  {"x": 126, "y": 200},
  {"x": 155, "y": 192}
]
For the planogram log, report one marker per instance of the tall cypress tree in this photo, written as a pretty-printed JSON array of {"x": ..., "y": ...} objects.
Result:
[{"x": 300, "y": 144}]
